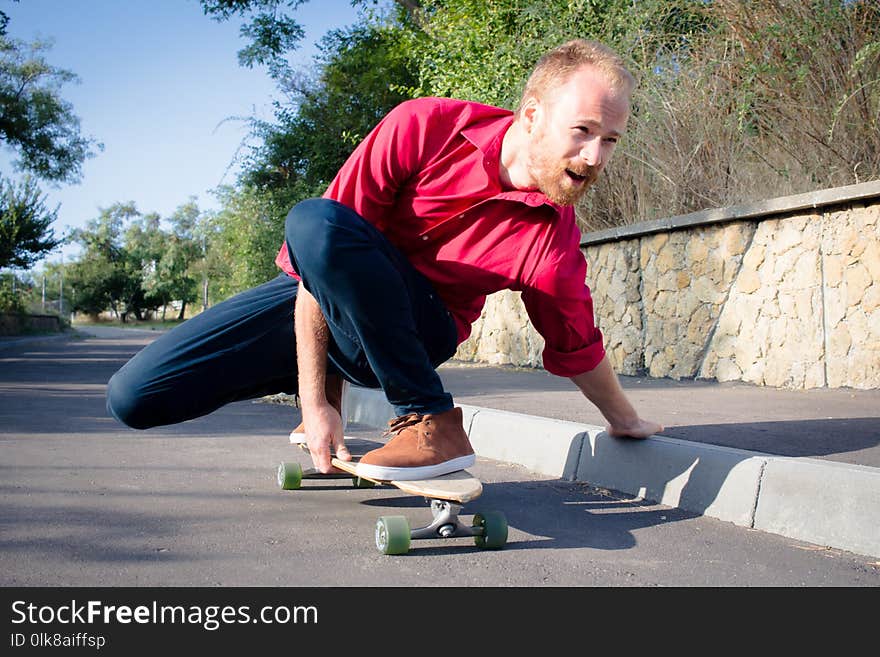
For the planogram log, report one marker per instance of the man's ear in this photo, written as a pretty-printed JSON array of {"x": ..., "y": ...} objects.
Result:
[{"x": 531, "y": 113}]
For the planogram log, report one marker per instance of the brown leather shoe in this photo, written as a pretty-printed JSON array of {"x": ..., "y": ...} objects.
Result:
[
  {"x": 334, "y": 388},
  {"x": 424, "y": 446}
]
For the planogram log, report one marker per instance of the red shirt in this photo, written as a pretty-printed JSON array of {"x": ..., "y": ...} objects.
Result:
[{"x": 427, "y": 176}]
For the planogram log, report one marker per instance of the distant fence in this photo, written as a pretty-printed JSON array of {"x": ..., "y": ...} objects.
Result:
[{"x": 783, "y": 293}]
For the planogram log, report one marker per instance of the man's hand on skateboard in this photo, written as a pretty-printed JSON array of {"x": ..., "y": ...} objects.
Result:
[{"x": 324, "y": 436}]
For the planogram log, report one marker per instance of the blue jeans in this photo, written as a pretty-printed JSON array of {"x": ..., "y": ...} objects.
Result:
[{"x": 388, "y": 329}]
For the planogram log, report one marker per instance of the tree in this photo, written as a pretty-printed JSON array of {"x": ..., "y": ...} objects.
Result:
[
  {"x": 11, "y": 297},
  {"x": 144, "y": 242},
  {"x": 34, "y": 120},
  {"x": 271, "y": 31},
  {"x": 4, "y": 21},
  {"x": 364, "y": 71},
  {"x": 176, "y": 266},
  {"x": 106, "y": 275},
  {"x": 735, "y": 100},
  {"x": 25, "y": 232},
  {"x": 484, "y": 51},
  {"x": 131, "y": 265},
  {"x": 41, "y": 127},
  {"x": 211, "y": 268},
  {"x": 249, "y": 231}
]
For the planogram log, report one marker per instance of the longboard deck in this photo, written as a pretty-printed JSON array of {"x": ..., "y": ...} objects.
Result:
[
  {"x": 459, "y": 486},
  {"x": 356, "y": 447}
]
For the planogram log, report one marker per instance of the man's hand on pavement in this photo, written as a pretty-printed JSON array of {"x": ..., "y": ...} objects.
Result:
[{"x": 640, "y": 429}]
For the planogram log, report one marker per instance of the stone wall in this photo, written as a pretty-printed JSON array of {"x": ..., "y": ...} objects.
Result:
[
  {"x": 784, "y": 293},
  {"x": 14, "y": 324}
]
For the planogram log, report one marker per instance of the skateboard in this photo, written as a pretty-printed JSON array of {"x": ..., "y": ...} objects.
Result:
[{"x": 446, "y": 495}]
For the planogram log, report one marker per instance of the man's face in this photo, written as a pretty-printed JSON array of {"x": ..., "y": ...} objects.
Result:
[{"x": 574, "y": 130}]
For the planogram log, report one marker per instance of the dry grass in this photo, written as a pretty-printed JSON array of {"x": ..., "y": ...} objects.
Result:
[{"x": 783, "y": 98}]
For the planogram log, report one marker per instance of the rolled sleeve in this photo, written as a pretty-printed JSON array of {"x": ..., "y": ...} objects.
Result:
[
  {"x": 573, "y": 363},
  {"x": 560, "y": 307}
]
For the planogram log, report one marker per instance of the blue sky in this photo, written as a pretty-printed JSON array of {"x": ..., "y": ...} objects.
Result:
[{"x": 159, "y": 82}]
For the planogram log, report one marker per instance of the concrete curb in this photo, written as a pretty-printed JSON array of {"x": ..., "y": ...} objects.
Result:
[{"x": 822, "y": 502}]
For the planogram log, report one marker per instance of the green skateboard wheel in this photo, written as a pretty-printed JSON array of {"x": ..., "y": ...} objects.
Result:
[
  {"x": 290, "y": 475},
  {"x": 392, "y": 535},
  {"x": 494, "y": 525}
]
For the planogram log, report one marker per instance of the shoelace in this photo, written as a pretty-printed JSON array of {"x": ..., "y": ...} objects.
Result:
[{"x": 398, "y": 424}]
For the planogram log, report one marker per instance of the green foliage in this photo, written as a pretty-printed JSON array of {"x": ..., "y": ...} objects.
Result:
[
  {"x": 145, "y": 244},
  {"x": 173, "y": 277},
  {"x": 25, "y": 224},
  {"x": 484, "y": 51},
  {"x": 105, "y": 276},
  {"x": 11, "y": 298},
  {"x": 463, "y": 48},
  {"x": 132, "y": 265},
  {"x": 34, "y": 120},
  {"x": 475, "y": 50},
  {"x": 48, "y": 292},
  {"x": 736, "y": 100},
  {"x": 249, "y": 231},
  {"x": 271, "y": 32},
  {"x": 364, "y": 72}
]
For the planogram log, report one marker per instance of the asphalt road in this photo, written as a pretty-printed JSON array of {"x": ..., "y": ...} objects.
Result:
[{"x": 85, "y": 501}]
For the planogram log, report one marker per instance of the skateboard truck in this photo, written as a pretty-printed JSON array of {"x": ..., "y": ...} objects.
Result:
[
  {"x": 489, "y": 529},
  {"x": 445, "y": 524}
]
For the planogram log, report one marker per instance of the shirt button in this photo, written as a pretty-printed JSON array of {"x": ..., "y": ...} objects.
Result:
[{"x": 424, "y": 238}]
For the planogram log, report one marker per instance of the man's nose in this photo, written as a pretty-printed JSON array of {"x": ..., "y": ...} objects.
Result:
[{"x": 591, "y": 152}]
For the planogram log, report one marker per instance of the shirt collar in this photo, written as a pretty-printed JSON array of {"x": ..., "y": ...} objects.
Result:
[{"x": 487, "y": 135}]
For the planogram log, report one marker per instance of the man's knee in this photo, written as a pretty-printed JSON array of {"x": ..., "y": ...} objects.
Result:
[
  {"x": 126, "y": 403},
  {"x": 308, "y": 222},
  {"x": 312, "y": 230}
]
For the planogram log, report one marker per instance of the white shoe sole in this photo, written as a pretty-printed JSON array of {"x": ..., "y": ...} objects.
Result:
[{"x": 387, "y": 473}]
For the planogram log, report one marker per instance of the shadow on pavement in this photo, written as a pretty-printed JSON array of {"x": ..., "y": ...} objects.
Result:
[
  {"x": 547, "y": 514},
  {"x": 809, "y": 438}
]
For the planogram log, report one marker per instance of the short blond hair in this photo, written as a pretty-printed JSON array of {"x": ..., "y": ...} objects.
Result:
[{"x": 555, "y": 67}]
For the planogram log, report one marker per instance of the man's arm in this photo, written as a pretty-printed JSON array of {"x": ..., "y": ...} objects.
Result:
[
  {"x": 602, "y": 388},
  {"x": 323, "y": 425}
]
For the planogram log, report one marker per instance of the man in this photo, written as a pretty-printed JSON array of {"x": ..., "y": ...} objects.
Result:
[{"x": 444, "y": 202}]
